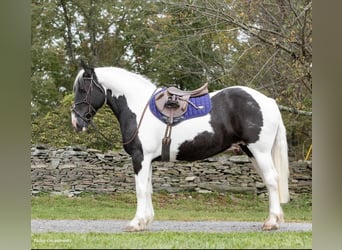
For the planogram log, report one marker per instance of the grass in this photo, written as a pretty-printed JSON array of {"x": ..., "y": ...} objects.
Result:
[
  {"x": 173, "y": 240},
  {"x": 182, "y": 206}
]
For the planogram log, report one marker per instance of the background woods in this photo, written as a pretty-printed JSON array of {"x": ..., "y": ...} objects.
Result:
[{"x": 266, "y": 45}]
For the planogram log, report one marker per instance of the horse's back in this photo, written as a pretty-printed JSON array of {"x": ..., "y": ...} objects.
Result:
[{"x": 241, "y": 90}]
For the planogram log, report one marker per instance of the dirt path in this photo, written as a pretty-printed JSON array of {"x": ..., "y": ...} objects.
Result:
[{"x": 117, "y": 226}]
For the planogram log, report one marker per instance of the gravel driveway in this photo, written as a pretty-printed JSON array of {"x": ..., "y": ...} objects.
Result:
[{"x": 117, "y": 226}]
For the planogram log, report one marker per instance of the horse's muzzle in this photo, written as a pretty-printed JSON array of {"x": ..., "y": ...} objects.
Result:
[{"x": 78, "y": 124}]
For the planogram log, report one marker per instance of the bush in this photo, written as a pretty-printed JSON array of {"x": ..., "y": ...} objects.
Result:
[{"x": 55, "y": 129}]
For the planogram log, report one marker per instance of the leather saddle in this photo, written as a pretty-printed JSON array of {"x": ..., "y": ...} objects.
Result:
[{"x": 173, "y": 102}]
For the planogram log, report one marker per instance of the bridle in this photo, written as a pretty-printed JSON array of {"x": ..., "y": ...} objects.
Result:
[{"x": 87, "y": 117}]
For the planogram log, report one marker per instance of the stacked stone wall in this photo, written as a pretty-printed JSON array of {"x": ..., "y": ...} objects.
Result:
[{"x": 73, "y": 170}]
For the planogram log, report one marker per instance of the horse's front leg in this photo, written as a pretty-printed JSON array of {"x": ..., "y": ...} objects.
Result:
[{"x": 144, "y": 214}]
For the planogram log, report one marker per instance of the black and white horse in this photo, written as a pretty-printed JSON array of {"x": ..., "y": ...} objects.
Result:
[{"x": 238, "y": 115}]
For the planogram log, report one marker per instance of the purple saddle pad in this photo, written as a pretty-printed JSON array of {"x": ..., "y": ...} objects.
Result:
[{"x": 202, "y": 102}]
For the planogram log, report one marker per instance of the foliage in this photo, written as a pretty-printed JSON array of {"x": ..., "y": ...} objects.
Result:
[
  {"x": 173, "y": 240},
  {"x": 266, "y": 45},
  {"x": 56, "y": 127},
  {"x": 299, "y": 134}
]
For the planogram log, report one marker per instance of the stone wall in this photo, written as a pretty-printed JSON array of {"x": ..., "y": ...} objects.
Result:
[{"x": 73, "y": 170}]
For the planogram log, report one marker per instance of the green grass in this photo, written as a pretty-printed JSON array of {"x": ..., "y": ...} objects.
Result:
[
  {"x": 182, "y": 206},
  {"x": 173, "y": 240}
]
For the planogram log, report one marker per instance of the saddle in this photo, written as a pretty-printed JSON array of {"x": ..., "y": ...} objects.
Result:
[{"x": 173, "y": 103}]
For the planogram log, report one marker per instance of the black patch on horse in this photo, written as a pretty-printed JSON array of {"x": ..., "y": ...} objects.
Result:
[
  {"x": 235, "y": 118},
  {"x": 128, "y": 126}
]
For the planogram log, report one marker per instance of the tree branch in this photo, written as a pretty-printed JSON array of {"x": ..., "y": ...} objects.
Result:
[
  {"x": 295, "y": 111},
  {"x": 263, "y": 66},
  {"x": 217, "y": 13},
  {"x": 68, "y": 38}
]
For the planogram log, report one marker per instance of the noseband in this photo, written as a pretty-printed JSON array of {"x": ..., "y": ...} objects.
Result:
[{"x": 91, "y": 110}]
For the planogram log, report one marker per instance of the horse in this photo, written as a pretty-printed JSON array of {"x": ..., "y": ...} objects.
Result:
[{"x": 238, "y": 115}]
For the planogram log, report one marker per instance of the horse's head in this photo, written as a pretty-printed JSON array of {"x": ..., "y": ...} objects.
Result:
[{"x": 90, "y": 96}]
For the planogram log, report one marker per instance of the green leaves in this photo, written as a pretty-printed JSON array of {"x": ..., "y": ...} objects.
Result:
[
  {"x": 266, "y": 45},
  {"x": 55, "y": 129}
]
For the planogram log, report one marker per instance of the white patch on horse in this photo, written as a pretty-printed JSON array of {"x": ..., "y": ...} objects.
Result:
[
  {"x": 187, "y": 131},
  {"x": 73, "y": 119},
  {"x": 135, "y": 88}
]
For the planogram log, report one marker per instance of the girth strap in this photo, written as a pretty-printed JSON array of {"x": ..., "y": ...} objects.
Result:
[
  {"x": 166, "y": 142},
  {"x": 173, "y": 103}
]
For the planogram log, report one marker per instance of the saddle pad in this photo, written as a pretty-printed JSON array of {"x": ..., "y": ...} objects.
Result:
[{"x": 204, "y": 102}]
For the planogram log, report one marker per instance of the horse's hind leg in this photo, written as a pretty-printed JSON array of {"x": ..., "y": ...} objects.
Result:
[
  {"x": 145, "y": 213},
  {"x": 264, "y": 164}
]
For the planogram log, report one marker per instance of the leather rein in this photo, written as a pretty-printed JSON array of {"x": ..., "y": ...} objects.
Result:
[
  {"x": 88, "y": 116},
  {"x": 140, "y": 121}
]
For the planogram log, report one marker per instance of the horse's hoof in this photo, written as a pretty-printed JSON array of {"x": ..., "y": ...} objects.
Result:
[
  {"x": 137, "y": 225},
  {"x": 269, "y": 226},
  {"x": 130, "y": 228}
]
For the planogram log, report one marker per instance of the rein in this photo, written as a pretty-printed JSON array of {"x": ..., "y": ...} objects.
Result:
[
  {"x": 135, "y": 132},
  {"x": 100, "y": 133},
  {"x": 91, "y": 112},
  {"x": 140, "y": 121}
]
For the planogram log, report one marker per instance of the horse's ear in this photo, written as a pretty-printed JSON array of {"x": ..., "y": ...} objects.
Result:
[{"x": 86, "y": 68}]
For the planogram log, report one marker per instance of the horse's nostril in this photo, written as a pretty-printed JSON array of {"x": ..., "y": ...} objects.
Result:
[{"x": 80, "y": 128}]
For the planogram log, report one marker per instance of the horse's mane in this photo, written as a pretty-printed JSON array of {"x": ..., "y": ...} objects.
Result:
[{"x": 106, "y": 75}]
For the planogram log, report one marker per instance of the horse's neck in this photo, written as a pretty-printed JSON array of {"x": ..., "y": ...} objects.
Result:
[{"x": 134, "y": 88}]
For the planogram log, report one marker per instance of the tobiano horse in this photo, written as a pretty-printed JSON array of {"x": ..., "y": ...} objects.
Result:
[{"x": 237, "y": 115}]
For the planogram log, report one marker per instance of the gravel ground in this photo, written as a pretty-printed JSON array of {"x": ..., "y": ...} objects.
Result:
[{"x": 117, "y": 226}]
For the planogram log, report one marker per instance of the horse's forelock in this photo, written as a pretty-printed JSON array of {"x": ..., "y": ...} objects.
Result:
[{"x": 78, "y": 79}]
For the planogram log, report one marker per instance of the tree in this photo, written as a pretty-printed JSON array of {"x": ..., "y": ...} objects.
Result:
[
  {"x": 274, "y": 49},
  {"x": 266, "y": 45}
]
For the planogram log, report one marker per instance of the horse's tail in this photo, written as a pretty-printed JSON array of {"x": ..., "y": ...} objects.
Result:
[{"x": 281, "y": 162}]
